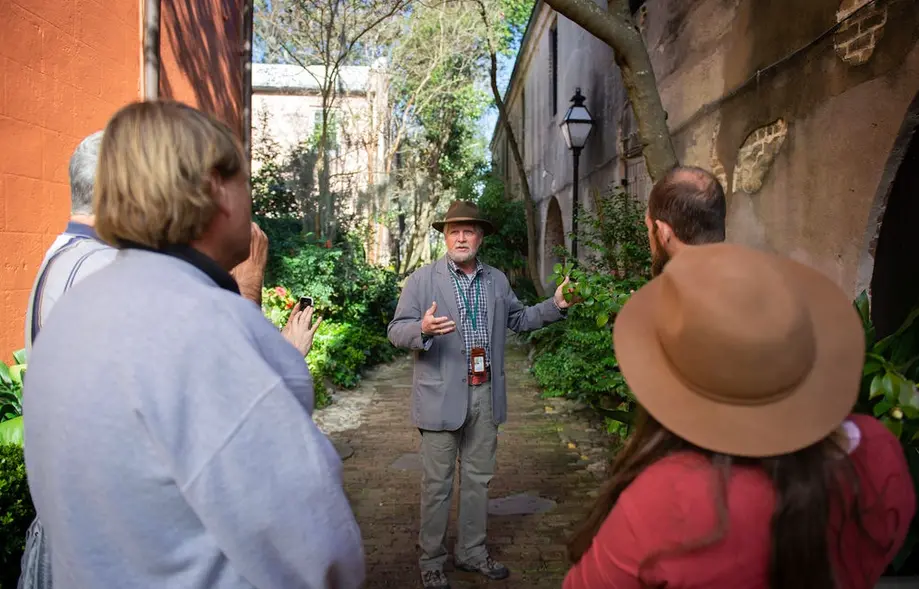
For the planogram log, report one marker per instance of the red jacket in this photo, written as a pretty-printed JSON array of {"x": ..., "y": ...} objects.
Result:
[{"x": 671, "y": 503}]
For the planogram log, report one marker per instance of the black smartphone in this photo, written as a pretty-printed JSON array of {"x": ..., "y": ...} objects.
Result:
[{"x": 306, "y": 302}]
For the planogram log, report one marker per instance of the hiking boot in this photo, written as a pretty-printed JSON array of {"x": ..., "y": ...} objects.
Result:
[
  {"x": 434, "y": 579},
  {"x": 490, "y": 568}
]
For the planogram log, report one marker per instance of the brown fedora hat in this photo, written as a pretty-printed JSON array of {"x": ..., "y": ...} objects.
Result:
[
  {"x": 742, "y": 352},
  {"x": 462, "y": 211}
]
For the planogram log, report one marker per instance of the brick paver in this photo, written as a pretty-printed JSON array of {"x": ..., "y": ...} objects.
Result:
[{"x": 531, "y": 459}]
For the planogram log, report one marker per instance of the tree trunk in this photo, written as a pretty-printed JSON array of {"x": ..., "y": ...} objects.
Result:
[
  {"x": 325, "y": 202},
  {"x": 615, "y": 28},
  {"x": 528, "y": 204}
]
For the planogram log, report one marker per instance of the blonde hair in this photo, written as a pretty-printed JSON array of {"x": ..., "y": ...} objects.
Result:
[{"x": 153, "y": 183}]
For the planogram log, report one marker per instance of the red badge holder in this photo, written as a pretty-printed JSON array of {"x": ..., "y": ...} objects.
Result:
[{"x": 479, "y": 371}]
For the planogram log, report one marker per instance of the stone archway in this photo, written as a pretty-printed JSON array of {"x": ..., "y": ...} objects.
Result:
[
  {"x": 892, "y": 246},
  {"x": 554, "y": 236}
]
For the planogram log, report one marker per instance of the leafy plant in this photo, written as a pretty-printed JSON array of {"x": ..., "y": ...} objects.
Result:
[
  {"x": 576, "y": 358},
  {"x": 889, "y": 393},
  {"x": 343, "y": 285},
  {"x": 506, "y": 249},
  {"x": 277, "y": 305},
  {"x": 16, "y": 512},
  {"x": 11, "y": 386},
  {"x": 341, "y": 351}
]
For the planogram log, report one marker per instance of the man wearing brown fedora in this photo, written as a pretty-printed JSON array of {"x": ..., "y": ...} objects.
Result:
[
  {"x": 454, "y": 314},
  {"x": 686, "y": 207}
]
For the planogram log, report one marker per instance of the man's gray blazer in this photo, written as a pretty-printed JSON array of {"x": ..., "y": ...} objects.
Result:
[{"x": 439, "y": 390}]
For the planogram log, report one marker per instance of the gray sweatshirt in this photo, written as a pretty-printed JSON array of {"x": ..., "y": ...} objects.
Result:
[{"x": 169, "y": 441}]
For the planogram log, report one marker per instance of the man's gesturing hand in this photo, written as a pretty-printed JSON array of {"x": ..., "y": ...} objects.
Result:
[{"x": 431, "y": 325}]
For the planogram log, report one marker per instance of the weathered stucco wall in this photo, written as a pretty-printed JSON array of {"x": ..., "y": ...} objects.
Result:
[
  {"x": 799, "y": 118},
  {"x": 65, "y": 66},
  {"x": 796, "y": 107},
  {"x": 583, "y": 62}
]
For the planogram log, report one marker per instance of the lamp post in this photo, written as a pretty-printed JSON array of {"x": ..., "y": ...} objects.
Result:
[{"x": 576, "y": 127}]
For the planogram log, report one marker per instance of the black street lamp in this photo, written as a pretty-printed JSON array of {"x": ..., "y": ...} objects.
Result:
[{"x": 576, "y": 127}]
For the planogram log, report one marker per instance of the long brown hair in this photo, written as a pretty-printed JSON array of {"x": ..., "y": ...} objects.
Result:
[{"x": 807, "y": 483}]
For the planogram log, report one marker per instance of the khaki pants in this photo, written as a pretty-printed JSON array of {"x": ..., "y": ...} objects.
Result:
[{"x": 475, "y": 443}]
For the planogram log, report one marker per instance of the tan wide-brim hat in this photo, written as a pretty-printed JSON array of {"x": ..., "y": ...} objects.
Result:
[
  {"x": 742, "y": 352},
  {"x": 462, "y": 211}
]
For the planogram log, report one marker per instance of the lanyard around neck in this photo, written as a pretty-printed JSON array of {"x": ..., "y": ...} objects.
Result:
[{"x": 471, "y": 310}]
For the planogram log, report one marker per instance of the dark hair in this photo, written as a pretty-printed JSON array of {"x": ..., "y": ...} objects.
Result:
[
  {"x": 690, "y": 200},
  {"x": 807, "y": 483}
]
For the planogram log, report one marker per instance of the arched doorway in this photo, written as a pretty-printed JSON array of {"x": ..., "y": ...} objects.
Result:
[
  {"x": 895, "y": 277},
  {"x": 554, "y": 236}
]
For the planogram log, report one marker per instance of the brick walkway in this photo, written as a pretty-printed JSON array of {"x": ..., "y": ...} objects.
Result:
[{"x": 531, "y": 459}]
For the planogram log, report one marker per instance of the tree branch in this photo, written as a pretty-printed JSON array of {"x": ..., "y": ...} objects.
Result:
[
  {"x": 528, "y": 204},
  {"x": 615, "y": 28}
]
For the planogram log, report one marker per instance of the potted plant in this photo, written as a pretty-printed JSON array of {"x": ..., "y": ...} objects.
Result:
[{"x": 889, "y": 393}]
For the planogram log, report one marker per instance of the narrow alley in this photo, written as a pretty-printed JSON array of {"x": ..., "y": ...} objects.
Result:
[{"x": 542, "y": 486}]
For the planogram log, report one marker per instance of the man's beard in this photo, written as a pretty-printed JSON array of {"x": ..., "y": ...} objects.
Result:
[
  {"x": 463, "y": 257},
  {"x": 659, "y": 255}
]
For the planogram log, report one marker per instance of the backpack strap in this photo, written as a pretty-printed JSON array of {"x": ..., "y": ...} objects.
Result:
[{"x": 40, "y": 287}]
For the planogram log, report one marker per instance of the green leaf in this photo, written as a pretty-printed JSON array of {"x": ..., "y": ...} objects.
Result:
[
  {"x": 889, "y": 387},
  {"x": 16, "y": 373},
  {"x": 602, "y": 320},
  {"x": 19, "y": 356},
  {"x": 862, "y": 306},
  {"x": 872, "y": 365},
  {"x": 882, "y": 408},
  {"x": 895, "y": 427},
  {"x": 882, "y": 345},
  {"x": 908, "y": 395},
  {"x": 877, "y": 386},
  {"x": 11, "y": 431},
  {"x": 5, "y": 374}
]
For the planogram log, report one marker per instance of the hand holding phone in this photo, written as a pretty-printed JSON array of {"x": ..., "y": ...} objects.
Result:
[{"x": 306, "y": 302}]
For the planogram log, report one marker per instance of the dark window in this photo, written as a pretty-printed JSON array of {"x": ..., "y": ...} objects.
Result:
[
  {"x": 634, "y": 5},
  {"x": 553, "y": 65}
]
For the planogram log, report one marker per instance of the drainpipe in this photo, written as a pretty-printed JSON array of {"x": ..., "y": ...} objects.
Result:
[
  {"x": 151, "y": 49},
  {"x": 246, "y": 54}
]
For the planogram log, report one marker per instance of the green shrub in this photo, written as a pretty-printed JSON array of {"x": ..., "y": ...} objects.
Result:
[
  {"x": 355, "y": 300},
  {"x": 575, "y": 358},
  {"x": 343, "y": 285},
  {"x": 507, "y": 248},
  {"x": 16, "y": 512},
  {"x": 342, "y": 350},
  {"x": 11, "y": 386},
  {"x": 889, "y": 392}
]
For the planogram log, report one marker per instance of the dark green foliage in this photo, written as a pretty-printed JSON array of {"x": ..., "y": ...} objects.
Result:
[
  {"x": 344, "y": 287},
  {"x": 342, "y": 350},
  {"x": 507, "y": 249},
  {"x": 16, "y": 513},
  {"x": 355, "y": 299},
  {"x": 575, "y": 358},
  {"x": 889, "y": 392}
]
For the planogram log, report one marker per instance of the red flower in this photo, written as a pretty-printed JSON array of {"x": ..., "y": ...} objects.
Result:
[
  {"x": 280, "y": 290},
  {"x": 289, "y": 305}
]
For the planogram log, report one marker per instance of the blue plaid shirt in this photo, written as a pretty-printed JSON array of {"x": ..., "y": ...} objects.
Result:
[{"x": 474, "y": 289}]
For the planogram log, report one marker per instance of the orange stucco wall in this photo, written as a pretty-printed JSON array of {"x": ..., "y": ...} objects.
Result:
[
  {"x": 65, "y": 67},
  {"x": 200, "y": 55}
]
